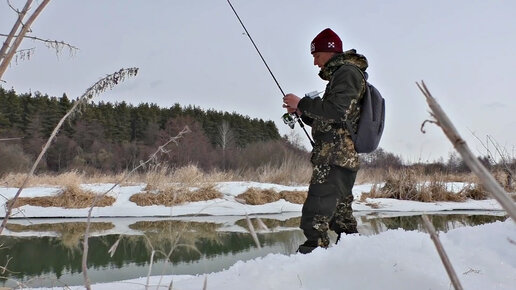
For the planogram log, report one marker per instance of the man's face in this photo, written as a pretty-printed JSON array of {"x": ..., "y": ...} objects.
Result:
[{"x": 320, "y": 58}]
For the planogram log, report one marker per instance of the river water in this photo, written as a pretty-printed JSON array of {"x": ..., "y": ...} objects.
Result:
[{"x": 48, "y": 252}]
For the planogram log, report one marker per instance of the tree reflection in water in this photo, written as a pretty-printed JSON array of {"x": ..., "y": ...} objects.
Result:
[{"x": 176, "y": 242}]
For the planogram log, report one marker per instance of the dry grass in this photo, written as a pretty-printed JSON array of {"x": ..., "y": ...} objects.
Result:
[
  {"x": 288, "y": 173},
  {"x": 378, "y": 175},
  {"x": 291, "y": 171},
  {"x": 161, "y": 178},
  {"x": 255, "y": 196},
  {"x": 475, "y": 191},
  {"x": 175, "y": 196},
  {"x": 410, "y": 185},
  {"x": 459, "y": 177},
  {"x": 192, "y": 175},
  {"x": 505, "y": 179},
  {"x": 72, "y": 196},
  {"x": 16, "y": 179},
  {"x": 370, "y": 175},
  {"x": 75, "y": 177},
  {"x": 298, "y": 197},
  {"x": 156, "y": 179},
  {"x": 165, "y": 184}
]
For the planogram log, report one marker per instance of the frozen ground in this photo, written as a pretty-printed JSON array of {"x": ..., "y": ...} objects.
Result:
[{"x": 226, "y": 205}]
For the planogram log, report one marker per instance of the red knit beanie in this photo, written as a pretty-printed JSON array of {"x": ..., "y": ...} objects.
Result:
[{"x": 326, "y": 41}]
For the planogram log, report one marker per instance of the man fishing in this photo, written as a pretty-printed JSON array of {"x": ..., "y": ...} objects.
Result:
[{"x": 334, "y": 159}]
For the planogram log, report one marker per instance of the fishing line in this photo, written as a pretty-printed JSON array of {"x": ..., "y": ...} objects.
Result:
[
  {"x": 289, "y": 120},
  {"x": 256, "y": 47}
]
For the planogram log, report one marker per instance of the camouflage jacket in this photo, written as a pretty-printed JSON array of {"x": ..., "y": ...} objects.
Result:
[{"x": 327, "y": 115}]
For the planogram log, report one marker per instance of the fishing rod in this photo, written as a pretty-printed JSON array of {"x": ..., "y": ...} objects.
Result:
[{"x": 288, "y": 118}]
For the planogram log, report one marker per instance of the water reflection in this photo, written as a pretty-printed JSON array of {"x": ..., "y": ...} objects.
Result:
[
  {"x": 376, "y": 223},
  {"x": 182, "y": 246}
]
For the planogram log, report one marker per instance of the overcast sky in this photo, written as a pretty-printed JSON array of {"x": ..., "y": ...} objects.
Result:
[{"x": 195, "y": 52}]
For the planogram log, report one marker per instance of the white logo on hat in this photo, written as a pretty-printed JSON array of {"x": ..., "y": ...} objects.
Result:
[
  {"x": 331, "y": 44},
  {"x": 312, "y": 47}
]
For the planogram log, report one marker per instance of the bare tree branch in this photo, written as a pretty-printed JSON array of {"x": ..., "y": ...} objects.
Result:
[
  {"x": 55, "y": 44},
  {"x": 5, "y": 60},
  {"x": 12, "y": 7},
  {"x": 469, "y": 158},
  {"x": 15, "y": 28},
  {"x": 505, "y": 158},
  {"x": 48, "y": 41}
]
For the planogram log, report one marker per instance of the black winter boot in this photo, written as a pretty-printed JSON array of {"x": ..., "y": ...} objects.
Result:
[{"x": 307, "y": 247}]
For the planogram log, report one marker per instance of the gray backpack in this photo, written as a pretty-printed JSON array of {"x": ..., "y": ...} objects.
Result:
[{"x": 371, "y": 121}]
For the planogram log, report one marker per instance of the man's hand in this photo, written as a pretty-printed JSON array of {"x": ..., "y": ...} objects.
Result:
[{"x": 290, "y": 102}]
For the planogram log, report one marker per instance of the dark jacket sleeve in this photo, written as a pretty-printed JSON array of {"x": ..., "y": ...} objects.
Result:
[
  {"x": 346, "y": 84},
  {"x": 307, "y": 120}
]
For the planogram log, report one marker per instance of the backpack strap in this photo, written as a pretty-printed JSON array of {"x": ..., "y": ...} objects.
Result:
[{"x": 348, "y": 123}]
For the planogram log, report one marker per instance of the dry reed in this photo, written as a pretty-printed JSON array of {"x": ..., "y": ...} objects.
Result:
[
  {"x": 163, "y": 177},
  {"x": 291, "y": 171},
  {"x": 255, "y": 196},
  {"x": 410, "y": 185},
  {"x": 475, "y": 191},
  {"x": 72, "y": 196},
  {"x": 288, "y": 173},
  {"x": 175, "y": 196},
  {"x": 298, "y": 197},
  {"x": 73, "y": 176}
]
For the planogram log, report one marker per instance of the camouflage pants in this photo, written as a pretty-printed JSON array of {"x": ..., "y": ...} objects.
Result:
[{"x": 328, "y": 204}]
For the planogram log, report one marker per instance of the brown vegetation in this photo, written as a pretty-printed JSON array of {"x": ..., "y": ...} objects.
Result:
[
  {"x": 71, "y": 177},
  {"x": 72, "y": 196},
  {"x": 174, "y": 196},
  {"x": 161, "y": 178},
  {"x": 298, "y": 197},
  {"x": 167, "y": 186},
  {"x": 255, "y": 196},
  {"x": 13, "y": 158},
  {"x": 288, "y": 169},
  {"x": 408, "y": 184},
  {"x": 289, "y": 173},
  {"x": 475, "y": 191}
]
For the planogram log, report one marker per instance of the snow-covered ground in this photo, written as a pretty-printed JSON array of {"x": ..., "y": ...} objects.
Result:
[
  {"x": 484, "y": 256},
  {"x": 227, "y": 205}
]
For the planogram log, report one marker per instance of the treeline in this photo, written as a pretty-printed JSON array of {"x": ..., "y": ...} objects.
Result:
[
  {"x": 115, "y": 137},
  {"x": 381, "y": 159},
  {"x": 111, "y": 138}
]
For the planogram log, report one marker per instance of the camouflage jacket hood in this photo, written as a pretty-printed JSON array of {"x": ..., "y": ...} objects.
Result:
[
  {"x": 340, "y": 103},
  {"x": 348, "y": 57}
]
